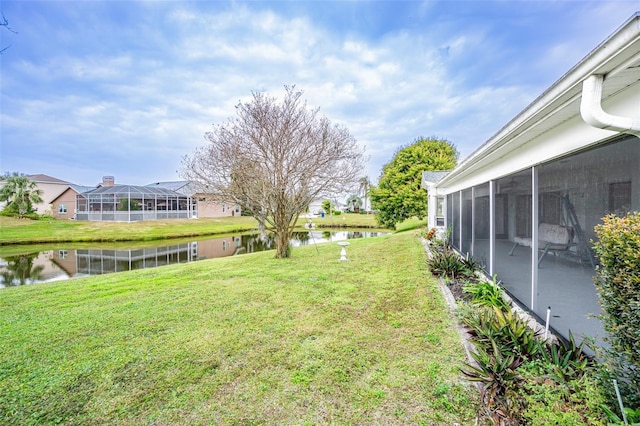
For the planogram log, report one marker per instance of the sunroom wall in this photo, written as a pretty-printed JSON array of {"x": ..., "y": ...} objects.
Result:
[
  {"x": 512, "y": 204},
  {"x": 553, "y": 173},
  {"x": 573, "y": 192},
  {"x": 455, "y": 221},
  {"x": 481, "y": 225},
  {"x": 466, "y": 220}
]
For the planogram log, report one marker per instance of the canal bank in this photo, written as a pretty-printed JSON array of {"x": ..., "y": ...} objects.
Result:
[{"x": 63, "y": 262}]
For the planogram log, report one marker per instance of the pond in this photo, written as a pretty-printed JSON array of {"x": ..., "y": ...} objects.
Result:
[{"x": 62, "y": 264}]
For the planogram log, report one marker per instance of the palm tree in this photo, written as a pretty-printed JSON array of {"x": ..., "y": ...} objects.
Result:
[
  {"x": 365, "y": 187},
  {"x": 21, "y": 270},
  {"x": 20, "y": 193},
  {"x": 354, "y": 202}
]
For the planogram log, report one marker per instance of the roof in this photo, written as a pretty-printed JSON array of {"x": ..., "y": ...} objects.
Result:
[
  {"x": 617, "y": 58},
  {"x": 184, "y": 187},
  {"x": 434, "y": 176},
  {"x": 172, "y": 185},
  {"x": 81, "y": 188},
  {"x": 46, "y": 179},
  {"x": 131, "y": 189}
]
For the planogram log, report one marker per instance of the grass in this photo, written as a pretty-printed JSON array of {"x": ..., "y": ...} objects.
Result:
[
  {"x": 240, "y": 340},
  {"x": 363, "y": 221},
  {"x": 412, "y": 223},
  {"x": 27, "y": 231},
  {"x": 345, "y": 220}
]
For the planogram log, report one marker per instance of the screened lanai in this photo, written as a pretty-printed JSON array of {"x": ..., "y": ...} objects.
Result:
[
  {"x": 493, "y": 222},
  {"x": 526, "y": 203},
  {"x": 127, "y": 203}
]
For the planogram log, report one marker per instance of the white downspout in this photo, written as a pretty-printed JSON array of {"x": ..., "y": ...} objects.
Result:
[{"x": 593, "y": 114}]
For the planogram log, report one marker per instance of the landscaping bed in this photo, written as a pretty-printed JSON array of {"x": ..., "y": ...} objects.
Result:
[{"x": 524, "y": 379}]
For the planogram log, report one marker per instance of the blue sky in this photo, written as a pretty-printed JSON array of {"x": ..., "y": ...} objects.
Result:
[{"x": 123, "y": 88}]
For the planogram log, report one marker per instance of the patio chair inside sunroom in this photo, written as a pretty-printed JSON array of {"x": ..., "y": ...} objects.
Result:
[{"x": 127, "y": 203}]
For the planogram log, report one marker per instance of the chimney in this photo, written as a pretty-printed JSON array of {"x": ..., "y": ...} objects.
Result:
[{"x": 108, "y": 181}]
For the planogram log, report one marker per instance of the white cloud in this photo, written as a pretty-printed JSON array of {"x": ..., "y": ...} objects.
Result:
[{"x": 165, "y": 76}]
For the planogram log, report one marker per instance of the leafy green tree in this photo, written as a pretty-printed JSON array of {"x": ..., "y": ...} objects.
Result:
[
  {"x": 326, "y": 206},
  {"x": 399, "y": 195},
  {"x": 20, "y": 193}
]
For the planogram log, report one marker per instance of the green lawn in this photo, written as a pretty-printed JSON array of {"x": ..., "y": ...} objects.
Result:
[
  {"x": 240, "y": 340},
  {"x": 27, "y": 231}
]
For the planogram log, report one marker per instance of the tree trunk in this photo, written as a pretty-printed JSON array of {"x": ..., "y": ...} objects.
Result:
[
  {"x": 282, "y": 228},
  {"x": 282, "y": 244}
]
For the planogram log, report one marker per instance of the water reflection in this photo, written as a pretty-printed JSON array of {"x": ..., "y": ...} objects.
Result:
[
  {"x": 61, "y": 264},
  {"x": 20, "y": 270}
]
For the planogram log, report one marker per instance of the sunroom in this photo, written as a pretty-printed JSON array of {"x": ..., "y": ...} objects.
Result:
[
  {"x": 525, "y": 203},
  {"x": 127, "y": 203}
]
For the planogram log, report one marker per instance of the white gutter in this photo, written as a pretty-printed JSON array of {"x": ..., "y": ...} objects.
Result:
[{"x": 593, "y": 114}]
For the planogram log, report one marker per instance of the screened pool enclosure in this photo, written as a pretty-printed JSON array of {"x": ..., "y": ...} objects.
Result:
[{"x": 127, "y": 203}]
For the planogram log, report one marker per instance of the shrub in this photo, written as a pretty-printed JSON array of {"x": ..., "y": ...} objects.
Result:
[
  {"x": 12, "y": 211},
  {"x": 633, "y": 416},
  {"x": 445, "y": 262},
  {"x": 471, "y": 264},
  {"x": 448, "y": 263},
  {"x": 567, "y": 359},
  {"x": 496, "y": 371},
  {"x": 493, "y": 328},
  {"x": 618, "y": 282},
  {"x": 487, "y": 294},
  {"x": 540, "y": 400},
  {"x": 442, "y": 242},
  {"x": 525, "y": 380}
]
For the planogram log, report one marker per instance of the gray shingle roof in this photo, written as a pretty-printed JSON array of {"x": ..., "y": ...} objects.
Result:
[{"x": 434, "y": 176}]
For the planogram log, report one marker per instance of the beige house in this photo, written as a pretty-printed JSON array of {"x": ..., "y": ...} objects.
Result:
[
  {"x": 51, "y": 188},
  {"x": 64, "y": 205},
  {"x": 59, "y": 197}
]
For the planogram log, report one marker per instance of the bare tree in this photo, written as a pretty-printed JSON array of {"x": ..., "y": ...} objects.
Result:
[
  {"x": 4, "y": 23},
  {"x": 274, "y": 159}
]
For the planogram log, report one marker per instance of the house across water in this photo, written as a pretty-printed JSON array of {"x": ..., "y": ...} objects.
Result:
[{"x": 109, "y": 201}]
